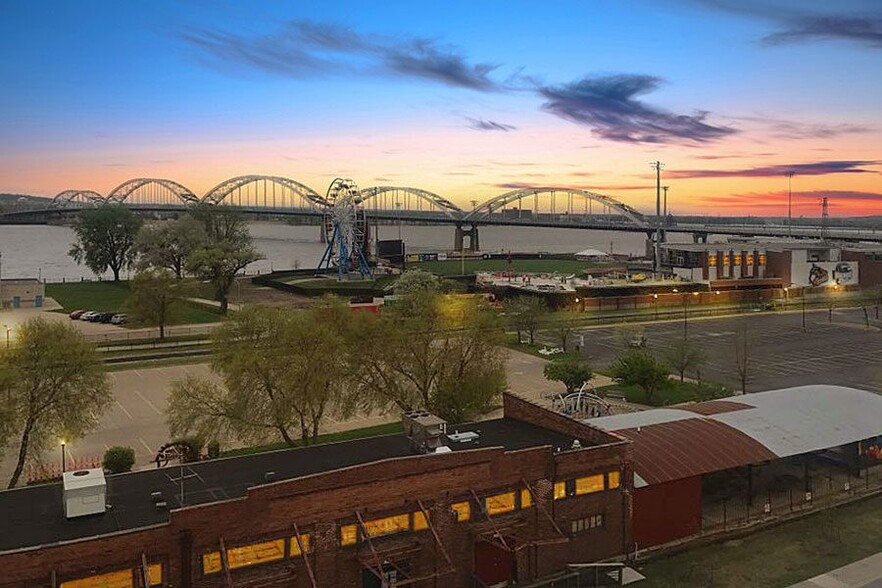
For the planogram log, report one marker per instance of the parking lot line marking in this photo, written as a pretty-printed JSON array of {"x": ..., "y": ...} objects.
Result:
[
  {"x": 123, "y": 408},
  {"x": 144, "y": 398},
  {"x": 147, "y": 447}
]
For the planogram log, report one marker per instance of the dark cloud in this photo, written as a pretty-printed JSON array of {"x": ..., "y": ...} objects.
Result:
[
  {"x": 609, "y": 106},
  {"x": 479, "y": 124},
  {"x": 865, "y": 30},
  {"x": 306, "y": 49},
  {"x": 819, "y": 168}
]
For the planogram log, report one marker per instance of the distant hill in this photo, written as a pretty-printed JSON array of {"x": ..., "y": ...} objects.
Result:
[{"x": 15, "y": 198}]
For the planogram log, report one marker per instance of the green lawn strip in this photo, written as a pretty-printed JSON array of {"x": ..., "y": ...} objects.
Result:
[
  {"x": 98, "y": 296},
  {"x": 675, "y": 392},
  {"x": 455, "y": 266},
  {"x": 153, "y": 341},
  {"x": 155, "y": 352},
  {"x": 374, "y": 431},
  {"x": 155, "y": 363},
  {"x": 776, "y": 557}
]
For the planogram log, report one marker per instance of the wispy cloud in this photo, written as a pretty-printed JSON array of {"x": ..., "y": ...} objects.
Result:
[
  {"x": 818, "y": 168},
  {"x": 480, "y": 124},
  {"x": 305, "y": 49},
  {"x": 865, "y": 30},
  {"x": 795, "y": 129},
  {"x": 608, "y": 105},
  {"x": 856, "y": 202}
]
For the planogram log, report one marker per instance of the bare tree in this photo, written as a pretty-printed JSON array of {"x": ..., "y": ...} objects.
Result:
[
  {"x": 684, "y": 355},
  {"x": 742, "y": 355}
]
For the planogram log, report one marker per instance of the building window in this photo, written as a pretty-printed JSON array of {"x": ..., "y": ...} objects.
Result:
[
  {"x": 348, "y": 535},
  {"x": 589, "y": 484},
  {"x": 419, "y": 521},
  {"x": 762, "y": 259},
  {"x": 211, "y": 562},
  {"x": 500, "y": 503},
  {"x": 154, "y": 574},
  {"x": 614, "y": 479},
  {"x": 256, "y": 553},
  {"x": 586, "y": 524},
  {"x": 294, "y": 547},
  {"x": 463, "y": 511},
  {"x": 388, "y": 525},
  {"x": 560, "y": 490},
  {"x": 526, "y": 498}
]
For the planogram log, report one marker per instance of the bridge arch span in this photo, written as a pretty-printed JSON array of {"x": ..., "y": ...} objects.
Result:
[
  {"x": 376, "y": 195},
  {"x": 264, "y": 195},
  {"x": 76, "y": 197},
  {"x": 486, "y": 209},
  {"x": 151, "y": 191}
]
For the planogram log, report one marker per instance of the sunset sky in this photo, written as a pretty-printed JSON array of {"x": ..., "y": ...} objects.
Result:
[{"x": 463, "y": 98}]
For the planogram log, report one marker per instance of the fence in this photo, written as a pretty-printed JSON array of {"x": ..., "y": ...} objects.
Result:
[{"x": 150, "y": 334}]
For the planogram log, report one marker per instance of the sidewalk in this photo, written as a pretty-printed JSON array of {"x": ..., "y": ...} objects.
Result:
[{"x": 865, "y": 573}]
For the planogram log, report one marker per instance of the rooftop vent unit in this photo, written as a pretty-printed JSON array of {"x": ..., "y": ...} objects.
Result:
[
  {"x": 425, "y": 430},
  {"x": 85, "y": 493},
  {"x": 464, "y": 437}
]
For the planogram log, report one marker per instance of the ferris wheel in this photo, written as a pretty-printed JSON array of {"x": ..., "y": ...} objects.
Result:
[{"x": 346, "y": 227}]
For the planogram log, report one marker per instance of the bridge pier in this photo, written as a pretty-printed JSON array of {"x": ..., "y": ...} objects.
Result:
[{"x": 459, "y": 238}]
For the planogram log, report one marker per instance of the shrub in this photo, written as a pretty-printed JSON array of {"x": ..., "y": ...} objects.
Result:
[
  {"x": 118, "y": 459},
  {"x": 191, "y": 448}
]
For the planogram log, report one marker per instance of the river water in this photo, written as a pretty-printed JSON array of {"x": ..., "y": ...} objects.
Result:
[{"x": 41, "y": 250}]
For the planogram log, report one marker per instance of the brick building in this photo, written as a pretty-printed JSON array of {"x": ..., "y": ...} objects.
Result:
[{"x": 516, "y": 498}]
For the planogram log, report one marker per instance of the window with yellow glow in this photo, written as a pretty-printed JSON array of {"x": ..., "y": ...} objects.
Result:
[
  {"x": 211, "y": 562},
  {"x": 750, "y": 259},
  {"x": 615, "y": 479},
  {"x": 388, "y": 525},
  {"x": 711, "y": 260},
  {"x": 154, "y": 574},
  {"x": 120, "y": 579},
  {"x": 737, "y": 259},
  {"x": 256, "y": 553},
  {"x": 295, "y": 547},
  {"x": 463, "y": 511},
  {"x": 419, "y": 521},
  {"x": 526, "y": 498},
  {"x": 499, "y": 504},
  {"x": 589, "y": 484},
  {"x": 762, "y": 259},
  {"x": 348, "y": 534},
  {"x": 560, "y": 490}
]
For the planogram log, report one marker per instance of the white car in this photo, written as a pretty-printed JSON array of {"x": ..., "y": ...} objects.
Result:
[
  {"x": 86, "y": 316},
  {"x": 119, "y": 319}
]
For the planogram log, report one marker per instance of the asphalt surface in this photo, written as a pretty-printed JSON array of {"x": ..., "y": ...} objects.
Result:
[{"x": 781, "y": 354}]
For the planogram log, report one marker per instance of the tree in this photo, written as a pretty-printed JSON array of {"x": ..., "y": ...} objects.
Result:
[
  {"x": 413, "y": 281},
  {"x": 526, "y": 314},
  {"x": 570, "y": 372},
  {"x": 684, "y": 355},
  {"x": 227, "y": 250},
  {"x": 106, "y": 239},
  {"x": 638, "y": 368},
  {"x": 168, "y": 244},
  {"x": 742, "y": 356},
  {"x": 55, "y": 387},
  {"x": 282, "y": 372},
  {"x": 154, "y": 293},
  {"x": 118, "y": 459},
  {"x": 564, "y": 331},
  {"x": 432, "y": 352}
]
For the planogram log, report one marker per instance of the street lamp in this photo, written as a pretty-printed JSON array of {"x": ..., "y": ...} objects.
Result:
[
  {"x": 655, "y": 300},
  {"x": 63, "y": 443},
  {"x": 803, "y": 310},
  {"x": 786, "y": 297},
  {"x": 686, "y": 314}
]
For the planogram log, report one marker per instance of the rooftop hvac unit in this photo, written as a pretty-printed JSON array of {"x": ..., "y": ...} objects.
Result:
[
  {"x": 85, "y": 493},
  {"x": 425, "y": 430}
]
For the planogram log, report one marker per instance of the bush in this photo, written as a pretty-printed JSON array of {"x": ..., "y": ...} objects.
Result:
[
  {"x": 213, "y": 450},
  {"x": 191, "y": 448},
  {"x": 118, "y": 459},
  {"x": 637, "y": 367}
]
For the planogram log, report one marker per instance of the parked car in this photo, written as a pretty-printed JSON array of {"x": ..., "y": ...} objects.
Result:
[
  {"x": 637, "y": 342},
  {"x": 75, "y": 315},
  {"x": 119, "y": 319},
  {"x": 104, "y": 317},
  {"x": 87, "y": 316}
]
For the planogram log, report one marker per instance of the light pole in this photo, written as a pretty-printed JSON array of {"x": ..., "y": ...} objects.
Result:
[
  {"x": 655, "y": 300},
  {"x": 8, "y": 330},
  {"x": 790, "y": 175},
  {"x": 657, "y": 165},
  {"x": 686, "y": 314},
  {"x": 665, "y": 208},
  {"x": 803, "y": 310},
  {"x": 786, "y": 297},
  {"x": 63, "y": 457}
]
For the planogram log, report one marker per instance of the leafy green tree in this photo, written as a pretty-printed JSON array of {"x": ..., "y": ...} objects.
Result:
[
  {"x": 106, "y": 239},
  {"x": 118, "y": 459},
  {"x": 572, "y": 373},
  {"x": 282, "y": 372},
  {"x": 416, "y": 280},
  {"x": 525, "y": 315},
  {"x": 154, "y": 294},
  {"x": 637, "y": 367},
  {"x": 168, "y": 244},
  {"x": 54, "y": 387},
  {"x": 434, "y": 352},
  {"x": 226, "y": 251},
  {"x": 684, "y": 355}
]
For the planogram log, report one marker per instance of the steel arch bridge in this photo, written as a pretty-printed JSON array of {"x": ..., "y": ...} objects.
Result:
[
  {"x": 378, "y": 198},
  {"x": 484, "y": 212},
  {"x": 76, "y": 198},
  {"x": 261, "y": 192},
  {"x": 151, "y": 191}
]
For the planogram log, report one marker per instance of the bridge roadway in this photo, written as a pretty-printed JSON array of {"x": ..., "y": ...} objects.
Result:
[{"x": 699, "y": 232}]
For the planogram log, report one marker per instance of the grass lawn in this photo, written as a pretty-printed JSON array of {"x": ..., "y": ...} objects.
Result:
[
  {"x": 374, "y": 431},
  {"x": 674, "y": 393},
  {"x": 454, "y": 267},
  {"x": 154, "y": 363},
  {"x": 332, "y": 284},
  {"x": 111, "y": 297},
  {"x": 776, "y": 557}
]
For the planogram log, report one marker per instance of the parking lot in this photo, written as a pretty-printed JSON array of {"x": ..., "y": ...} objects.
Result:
[{"x": 781, "y": 354}]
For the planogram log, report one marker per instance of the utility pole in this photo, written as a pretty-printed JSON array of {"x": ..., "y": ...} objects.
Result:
[
  {"x": 657, "y": 165},
  {"x": 790, "y": 175},
  {"x": 665, "y": 211}
]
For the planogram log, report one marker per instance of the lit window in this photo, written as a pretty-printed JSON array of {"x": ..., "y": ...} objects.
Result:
[
  {"x": 388, "y": 525},
  {"x": 120, "y": 579},
  {"x": 154, "y": 574},
  {"x": 295, "y": 547},
  {"x": 348, "y": 535},
  {"x": 560, "y": 490},
  {"x": 256, "y": 553},
  {"x": 526, "y": 498},
  {"x": 463, "y": 511},
  {"x": 499, "y": 504},
  {"x": 614, "y": 478},
  {"x": 589, "y": 484},
  {"x": 592, "y": 522},
  {"x": 419, "y": 521},
  {"x": 211, "y": 562}
]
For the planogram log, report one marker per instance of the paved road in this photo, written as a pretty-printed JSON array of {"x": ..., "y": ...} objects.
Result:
[
  {"x": 843, "y": 351},
  {"x": 866, "y": 573}
]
